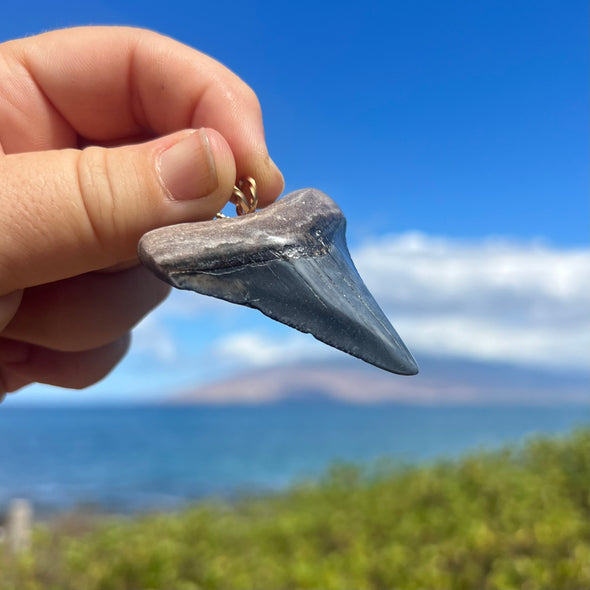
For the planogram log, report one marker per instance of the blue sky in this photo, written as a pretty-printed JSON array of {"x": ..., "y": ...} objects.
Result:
[{"x": 454, "y": 135}]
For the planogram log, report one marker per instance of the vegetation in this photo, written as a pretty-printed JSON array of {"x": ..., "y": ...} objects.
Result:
[{"x": 515, "y": 518}]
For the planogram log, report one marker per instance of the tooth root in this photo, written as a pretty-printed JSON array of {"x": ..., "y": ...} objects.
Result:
[{"x": 291, "y": 262}]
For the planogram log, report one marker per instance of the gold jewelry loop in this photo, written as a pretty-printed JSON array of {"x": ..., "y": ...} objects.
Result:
[
  {"x": 248, "y": 187},
  {"x": 244, "y": 197},
  {"x": 238, "y": 198}
]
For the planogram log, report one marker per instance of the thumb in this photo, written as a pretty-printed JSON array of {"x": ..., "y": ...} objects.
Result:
[{"x": 67, "y": 212}]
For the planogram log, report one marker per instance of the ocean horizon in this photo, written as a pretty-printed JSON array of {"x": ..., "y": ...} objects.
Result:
[{"x": 128, "y": 459}]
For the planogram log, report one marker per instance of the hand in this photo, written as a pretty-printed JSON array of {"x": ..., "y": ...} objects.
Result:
[{"x": 105, "y": 133}]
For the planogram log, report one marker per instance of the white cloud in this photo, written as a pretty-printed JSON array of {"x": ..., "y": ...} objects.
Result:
[
  {"x": 257, "y": 350},
  {"x": 492, "y": 299}
]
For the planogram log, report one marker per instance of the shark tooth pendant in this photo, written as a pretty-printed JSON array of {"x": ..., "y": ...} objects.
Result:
[{"x": 291, "y": 262}]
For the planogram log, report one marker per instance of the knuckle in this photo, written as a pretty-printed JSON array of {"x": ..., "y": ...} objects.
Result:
[
  {"x": 95, "y": 193},
  {"x": 110, "y": 186}
]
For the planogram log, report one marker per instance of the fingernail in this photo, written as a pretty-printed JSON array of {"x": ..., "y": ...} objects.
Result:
[{"x": 187, "y": 169}]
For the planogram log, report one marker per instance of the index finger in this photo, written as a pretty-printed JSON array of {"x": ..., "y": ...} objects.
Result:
[{"x": 107, "y": 83}]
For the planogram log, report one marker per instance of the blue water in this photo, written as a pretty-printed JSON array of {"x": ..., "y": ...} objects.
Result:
[{"x": 125, "y": 459}]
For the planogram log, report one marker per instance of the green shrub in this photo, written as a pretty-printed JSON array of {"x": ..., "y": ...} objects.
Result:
[{"x": 514, "y": 518}]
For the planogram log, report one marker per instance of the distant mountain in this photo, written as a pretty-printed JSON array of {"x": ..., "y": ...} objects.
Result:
[{"x": 441, "y": 381}]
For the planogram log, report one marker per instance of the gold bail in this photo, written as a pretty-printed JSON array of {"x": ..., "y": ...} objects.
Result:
[{"x": 244, "y": 197}]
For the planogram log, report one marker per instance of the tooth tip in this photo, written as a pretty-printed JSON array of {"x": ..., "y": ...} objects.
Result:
[
  {"x": 410, "y": 368},
  {"x": 395, "y": 358}
]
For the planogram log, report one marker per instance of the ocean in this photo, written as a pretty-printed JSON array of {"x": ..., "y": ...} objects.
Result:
[{"x": 160, "y": 458}]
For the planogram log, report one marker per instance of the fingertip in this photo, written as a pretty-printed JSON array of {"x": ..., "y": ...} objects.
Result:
[
  {"x": 74, "y": 370},
  {"x": 269, "y": 179},
  {"x": 202, "y": 168},
  {"x": 121, "y": 346},
  {"x": 272, "y": 182},
  {"x": 78, "y": 370}
]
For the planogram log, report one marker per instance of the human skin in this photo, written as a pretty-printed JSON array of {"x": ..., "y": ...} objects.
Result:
[{"x": 106, "y": 133}]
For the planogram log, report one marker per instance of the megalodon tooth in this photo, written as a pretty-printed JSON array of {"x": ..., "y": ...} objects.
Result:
[{"x": 291, "y": 262}]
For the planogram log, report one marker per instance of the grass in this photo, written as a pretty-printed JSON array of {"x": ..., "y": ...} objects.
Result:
[{"x": 514, "y": 518}]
